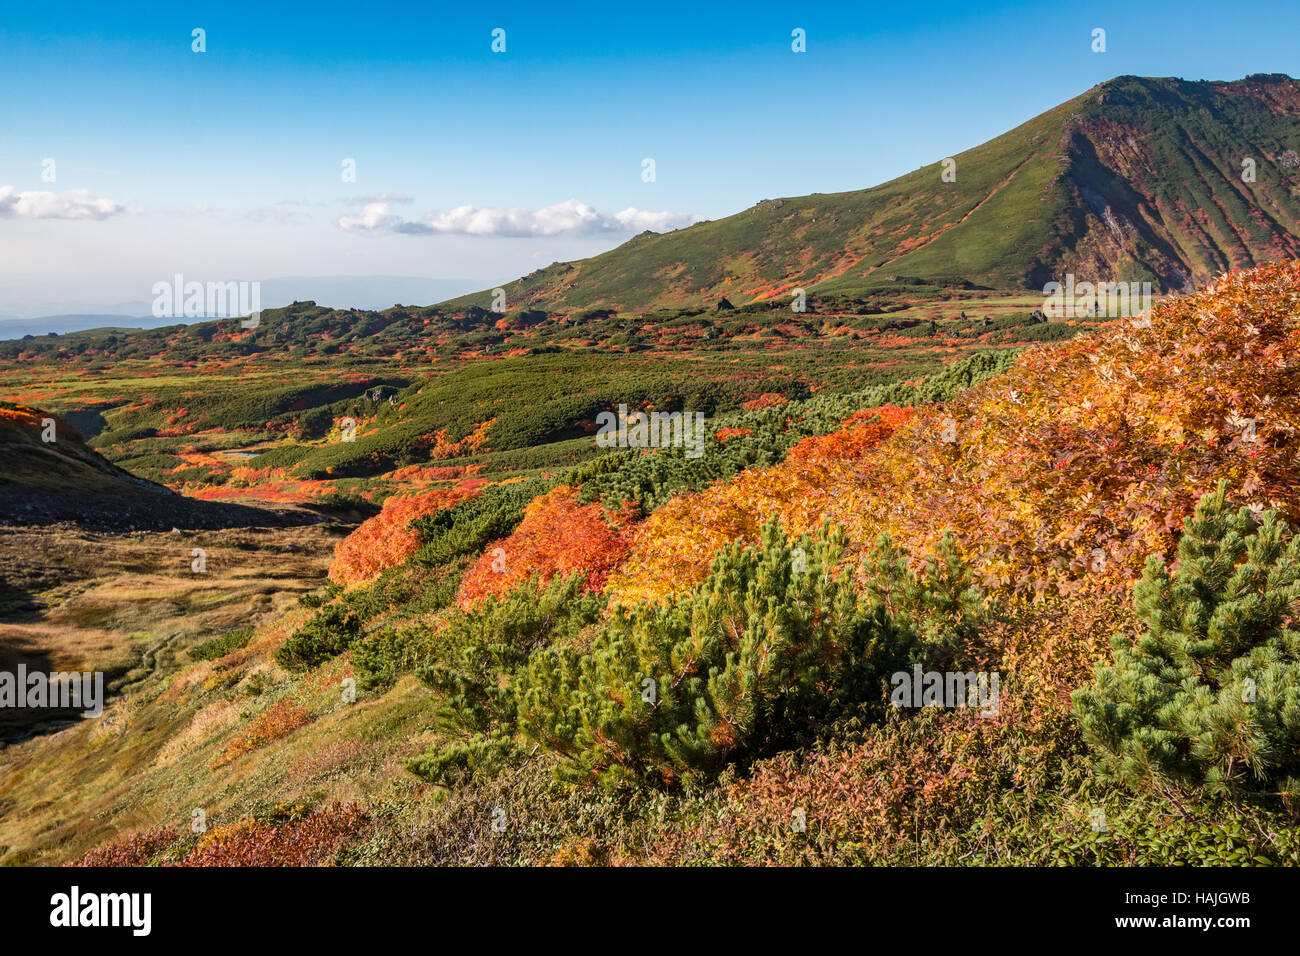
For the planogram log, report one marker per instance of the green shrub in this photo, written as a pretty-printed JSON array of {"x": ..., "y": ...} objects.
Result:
[
  {"x": 1210, "y": 696},
  {"x": 467, "y": 528},
  {"x": 222, "y": 645},
  {"x": 331, "y": 632},
  {"x": 763, "y": 656},
  {"x": 479, "y": 648},
  {"x": 384, "y": 655},
  {"x": 653, "y": 479}
]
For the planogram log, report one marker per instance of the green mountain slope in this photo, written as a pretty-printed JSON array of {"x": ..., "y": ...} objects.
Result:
[{"x": 1136, "y": 179}]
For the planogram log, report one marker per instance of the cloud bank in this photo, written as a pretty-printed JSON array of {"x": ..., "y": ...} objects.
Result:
[
  {"x": 570, "y": 218},
  {"x": 69, "y": 204}
]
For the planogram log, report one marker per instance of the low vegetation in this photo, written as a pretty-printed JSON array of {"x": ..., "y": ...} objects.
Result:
[{"x": 642, "y": 657}]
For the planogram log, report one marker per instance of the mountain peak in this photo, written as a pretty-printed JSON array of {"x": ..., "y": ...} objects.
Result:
[{"x": 1155, "y": 179}]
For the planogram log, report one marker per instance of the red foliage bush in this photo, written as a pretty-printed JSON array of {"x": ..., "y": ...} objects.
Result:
[
  {"x": 311, "y": 841},
  {"x": 556, "y": 536},
  {"x": 386, "y": 540},
  {"x": 135, "y": 850}
]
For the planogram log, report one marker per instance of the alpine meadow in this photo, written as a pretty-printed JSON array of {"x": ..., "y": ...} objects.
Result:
[{"x": 948, "y": 522}]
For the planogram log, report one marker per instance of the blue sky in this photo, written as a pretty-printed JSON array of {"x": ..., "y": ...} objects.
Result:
[{"x": 227, "y": 164}]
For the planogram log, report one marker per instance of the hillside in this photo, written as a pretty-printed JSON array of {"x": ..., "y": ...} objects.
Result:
[
  {"x": 62, "y": 480},
  {"x": 1136, "y": 179},
  {"x": 1008, "y": 514},
  {"x": 220, "y": 412}
]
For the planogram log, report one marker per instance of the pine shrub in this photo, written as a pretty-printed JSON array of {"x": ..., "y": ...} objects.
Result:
[
  {"x": 1210, "y": 695},
  {"x": 764, "y": 656}
]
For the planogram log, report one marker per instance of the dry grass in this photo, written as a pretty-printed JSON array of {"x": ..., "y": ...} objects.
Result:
[
  {"x": 144, "y": 763},
  {"x": 207, "y": 723}
]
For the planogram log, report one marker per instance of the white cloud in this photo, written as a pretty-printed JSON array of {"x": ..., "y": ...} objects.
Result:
[
  {"x": 382, "y": 197},
  {"x": 639, "y": 220},
  {"x": 566, "y": 218},
  {"x": 570, "y": 218},
  {"x": 69, "y": 204},
  {"x": 374, "y": 217}
]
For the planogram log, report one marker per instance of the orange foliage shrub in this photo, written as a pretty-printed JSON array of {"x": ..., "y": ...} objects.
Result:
[
  {"x": 412, "y": 474},
  {"x": 200, "y": 459},
  {"x": 14, "y": 415},
  {"x": 1063, "y": 474},
  {"x": 290, "y": 491},
  {"x": 557, "y": 536},
  {"x": 1058, "y": 477},
  {"x": 475, "y": 441},
  {"x": 724, "y": 433},
  {"x": 254, "y": 475},
  {"x": 21, "y": 415},
  {"x": 278, "y": 720},
  {"x": 671, "y": 549},
  {"x": 386, "y": 540},
  {"x": 766, "y": 400}
]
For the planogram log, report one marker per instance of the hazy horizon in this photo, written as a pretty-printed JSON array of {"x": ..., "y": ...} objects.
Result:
[{"x": 31, "y": 309}]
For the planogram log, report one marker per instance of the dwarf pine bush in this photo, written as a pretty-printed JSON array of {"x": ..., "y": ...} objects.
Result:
[
  {"x": 475, "y": 659},
  {"x": 766, "y": 654},
  {"x": 330, "y": 632},
  {"x": 1210, "y": 695}
]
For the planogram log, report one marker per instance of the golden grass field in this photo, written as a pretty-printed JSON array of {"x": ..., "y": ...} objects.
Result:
[{"x": 130, "y": 605}]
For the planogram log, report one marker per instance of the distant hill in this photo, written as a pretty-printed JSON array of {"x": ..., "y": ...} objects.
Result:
[
  {"x": 11, "y": 328},
  {"x": 44, "y": 482},
  {"x": 1136, "y": 179},
  {"x": 29, "y": 307}
]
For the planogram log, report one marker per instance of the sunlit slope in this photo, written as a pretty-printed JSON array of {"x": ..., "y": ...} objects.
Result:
[{"x": 1136, "y": 179}]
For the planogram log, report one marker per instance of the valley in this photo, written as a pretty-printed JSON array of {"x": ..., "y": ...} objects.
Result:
[
  {"x": 111, "y": 602},
  {"x": 617, "y": 564},
  {"x": 128, "y": 601}
]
